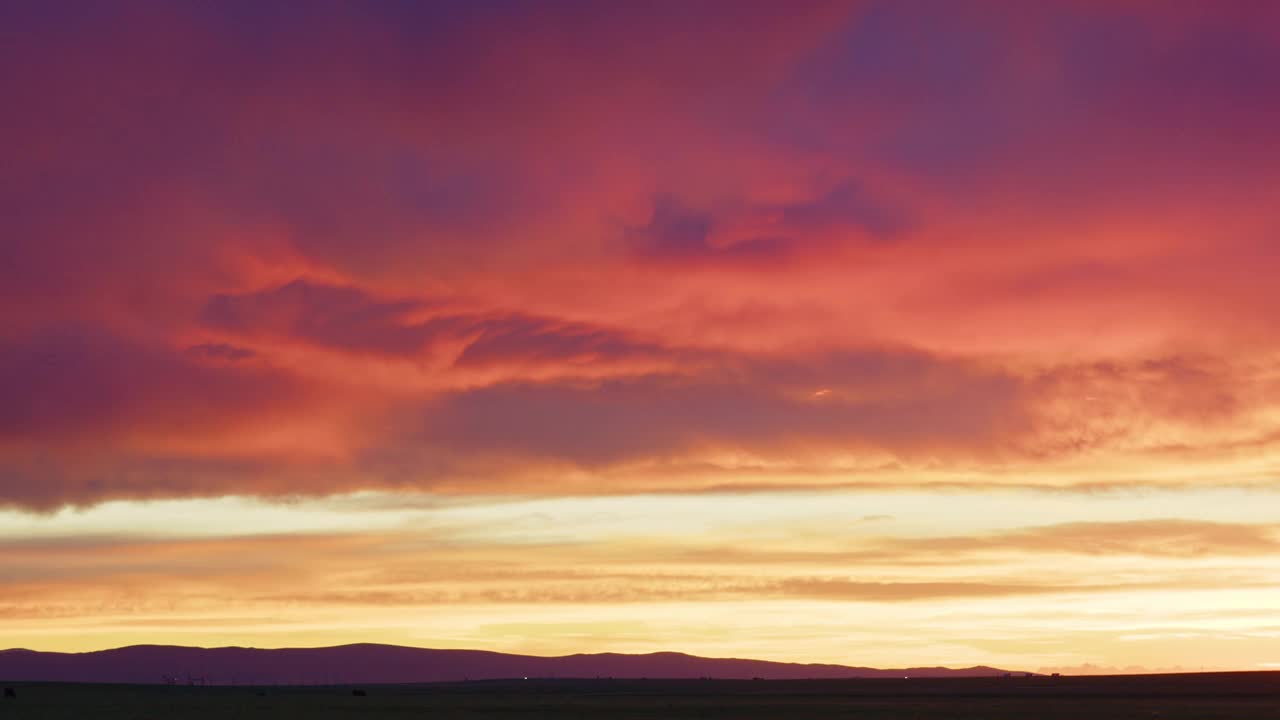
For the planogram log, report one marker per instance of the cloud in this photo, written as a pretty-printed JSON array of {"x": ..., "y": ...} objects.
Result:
[
  {"x": 759, "y": 235},
  {"x": 349, "y": 320},
  {"x": 346, "y": 318},
  {"x": 513, "y": 399},
  {"x": 881, "y": 400},
  {"x": 385, "y": 569},
  {"x": 1151, "y": 538},
  {"x": 77, "y": 379},
  {"x": 662, "y": 248},
  {"x": 221, "y": 351},
  {"x": 679, "y": 234},
  {"x": 1158, "y": 539},
  {"x": 248, "y": 572},
  {"x": 847, "y": 205},
  {"x": 91, "y": 415}
]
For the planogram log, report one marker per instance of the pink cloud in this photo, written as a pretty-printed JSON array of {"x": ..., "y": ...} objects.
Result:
[{"x": 420, "y": 242}]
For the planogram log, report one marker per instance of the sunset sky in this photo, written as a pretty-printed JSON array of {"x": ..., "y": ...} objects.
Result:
[{"x": 878, "y": 333}]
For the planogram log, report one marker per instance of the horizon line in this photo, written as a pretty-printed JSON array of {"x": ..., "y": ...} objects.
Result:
[{"x": 1082, "y": 669}]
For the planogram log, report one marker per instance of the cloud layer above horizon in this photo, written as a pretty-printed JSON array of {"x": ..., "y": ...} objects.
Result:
[{"x": 570, "y": 252}]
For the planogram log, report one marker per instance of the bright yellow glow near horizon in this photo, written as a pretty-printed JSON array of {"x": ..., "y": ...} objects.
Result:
[{"x": 1010, "y": 578}]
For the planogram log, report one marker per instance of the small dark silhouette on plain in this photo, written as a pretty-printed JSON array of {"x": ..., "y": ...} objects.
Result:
[
  {"x": 11, "y": 693},
  {"x": 359, "y": 693}
]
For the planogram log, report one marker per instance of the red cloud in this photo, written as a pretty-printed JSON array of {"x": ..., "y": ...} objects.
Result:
[{"x": 606, "y": 238}]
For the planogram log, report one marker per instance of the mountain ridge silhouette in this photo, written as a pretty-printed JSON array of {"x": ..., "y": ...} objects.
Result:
[{"x": 383, "y": 663}]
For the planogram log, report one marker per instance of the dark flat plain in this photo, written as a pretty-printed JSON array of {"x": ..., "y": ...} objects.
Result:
[{"x": 1215, "y": 696}]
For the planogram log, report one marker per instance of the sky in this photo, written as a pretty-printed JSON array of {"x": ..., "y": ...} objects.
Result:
[{"x": 880, "y": 333}]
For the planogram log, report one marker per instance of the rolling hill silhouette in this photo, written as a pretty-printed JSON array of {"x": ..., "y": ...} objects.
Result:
[{"x": 370, "y": 663}]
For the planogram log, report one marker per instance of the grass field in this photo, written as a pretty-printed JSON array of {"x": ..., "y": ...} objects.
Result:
[{"x": 1224, "y": 696}]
